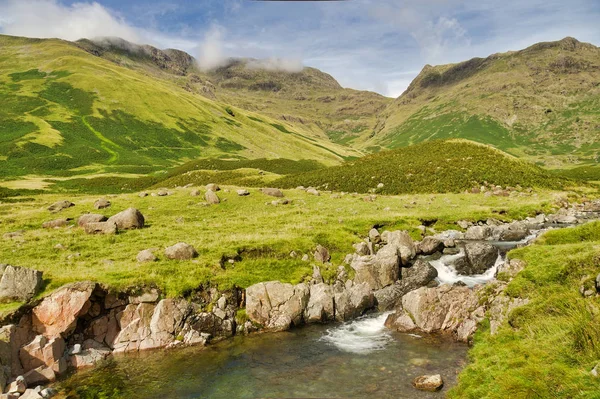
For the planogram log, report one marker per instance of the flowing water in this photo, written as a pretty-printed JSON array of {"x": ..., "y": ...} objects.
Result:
[{"x": 353, "y": 360}]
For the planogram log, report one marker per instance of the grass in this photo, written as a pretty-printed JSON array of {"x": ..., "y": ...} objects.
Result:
[
  {"x": 548, "y": 347},
  {"x": 436, "y": 166},
  {"x": 260, "y": 237}
]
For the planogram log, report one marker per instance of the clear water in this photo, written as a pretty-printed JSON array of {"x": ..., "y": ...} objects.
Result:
[{"x": 354, "y": 360}]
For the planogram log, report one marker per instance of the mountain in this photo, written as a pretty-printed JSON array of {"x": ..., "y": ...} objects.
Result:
[
  {"x": 541, "y": 104},
  {"x": 88, "y": 109},
  {"x": 439, "y": 166}
]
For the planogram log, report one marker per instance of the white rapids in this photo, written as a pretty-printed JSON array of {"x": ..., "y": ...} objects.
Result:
[{"x": 361, "y": 336}]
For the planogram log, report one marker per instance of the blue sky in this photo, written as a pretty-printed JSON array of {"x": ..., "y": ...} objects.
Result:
[{"x": 376, "y": 45}]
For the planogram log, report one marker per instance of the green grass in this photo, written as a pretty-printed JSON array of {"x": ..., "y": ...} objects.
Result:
[
  {"x": 548, "y": 347},
  {"x": 436, "y": 166},
  {"x": 259, "y": 236}
]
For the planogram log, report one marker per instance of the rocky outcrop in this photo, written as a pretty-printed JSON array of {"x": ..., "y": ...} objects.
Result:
[
  {"x": 128, "y": 219},
  {"x": 19, "y": 283},
  {"x": 57, "y": 314},
  {"x": 277, "y": 306}
]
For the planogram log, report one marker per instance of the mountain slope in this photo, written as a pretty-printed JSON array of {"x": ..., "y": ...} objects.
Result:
[
  {"x": 541, "y": 103},
  {"x": 309, "y": 100},
  {"x": 65, "y": 111}
]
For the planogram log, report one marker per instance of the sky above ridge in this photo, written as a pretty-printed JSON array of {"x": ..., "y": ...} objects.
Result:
[{"x": 378, "y": 45}]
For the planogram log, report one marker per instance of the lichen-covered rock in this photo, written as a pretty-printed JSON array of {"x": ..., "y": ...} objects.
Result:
[
  {"x": 146, "y": 256},
  {"x": 400, "y": 321},
  {"x": 19, "y": 283},
  {"x": 57, "y": 314},
  {"x": 90, "y": 218},
  {"x": 275, "y": 305},
  {"x": 399, "y": 244},
  {"x": 129, "y": 219},
  {"x": 322, "y": 254},
  {"x": 479, "y": 233}
]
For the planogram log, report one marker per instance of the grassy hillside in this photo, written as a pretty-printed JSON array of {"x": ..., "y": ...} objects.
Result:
[
  {"x": 437, "y": 166},
  {"x": 66, "y": 111},
  {"x": 541, "y": 104},
  {"x": 549, "y": 346}
]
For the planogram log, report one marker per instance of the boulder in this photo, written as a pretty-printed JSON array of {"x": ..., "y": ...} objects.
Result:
[
  {"x": 480, "y": 257},
  {"x": 313, "y": 191},
  {"x": 399, "y": 244},
  {"x": 320, "y": 306},
  {"x": 322, "y": 254},
  {"x": 362, "y": 248},
  {"x": 374, "y": 236},
  {"x": 400, "y": 321},
  {"x": 143, "y": 194},
  {"x": 181, "y": 251},
  {"x": 57, "y": 314},
  {"x": 90, "y": 218},
  {"x": 376, "y": 271},
  {"x": 101, "y": 204},
  {"x": 212, "y": 198},
  {"x": 91, "y": 354},
  {"x": 429, "y": 383},
  {"x": 162, "y": 193},
  {"x": 353, "y": 302},
  {"x": 243, "y": 193},
  {"x": 40, "y": 376},
  {"x": 195, "y": 193},
  {"x": 53, "y": 224},
  {"x": 479, "y": 233},
  {"x": 166, "y": 323},
  {"x": 19, "y": 385},
  {"x": 213, "y": 187},
  {"x": 19, "y": 284},
  {"x": 146, "y": 256},
  {"x": 128, "y": 219},
  {"x": 416, "y": 276},
  {"x": 60, "y": 205},
  {"x": 277, "y": 306},
  {"x": 41, "y": 352},
  {"x": 101, "y": 228},
  {"x": 134, "y": 327},
  {"x": 273, "y": 192},
  {"x": 431, "y": 245}
]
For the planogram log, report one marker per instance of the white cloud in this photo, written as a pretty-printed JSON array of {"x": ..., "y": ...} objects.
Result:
[
  {"x": 277, "y": 64},
  {"x": 211, "y": 55},
  {"x": 49, "y": 19}
]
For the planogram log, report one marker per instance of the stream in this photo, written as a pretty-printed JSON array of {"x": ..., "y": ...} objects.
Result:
[{"x": 357, "y": 359}]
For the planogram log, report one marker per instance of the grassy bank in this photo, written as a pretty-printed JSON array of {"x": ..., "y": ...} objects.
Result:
[
  {"x": 259, "y": 237},
  {"x": 548, "y": 347}
]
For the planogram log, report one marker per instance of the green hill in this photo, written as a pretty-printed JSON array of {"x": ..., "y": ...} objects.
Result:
[
  {"x": 431, "y": 167},
  {"x": 541, "y": 104},
  {"x": 66, "y": 111}
]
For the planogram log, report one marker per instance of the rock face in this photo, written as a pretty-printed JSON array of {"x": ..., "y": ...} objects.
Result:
[
  {"x": 277, "y": 306},
  {"x": 273, "y": 192},
  {"x": 212, "y": 198},
  {"x": 128, "y": 219},
  {"x": 430, "y": 383},
  {"x": 480, "y": 257},
  {"x": 102, "y": 204},
  {"x": 19, "y": 284},
  {"x": 101, "y": 228},
  {"x": 60, "y": 205},
  {"x": 90, "y": 218},
  {"x": 181, "y": 251},
  {"x": 57, "y": 314}
]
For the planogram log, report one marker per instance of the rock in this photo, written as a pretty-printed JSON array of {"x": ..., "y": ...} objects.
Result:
[
  {"x": 181, "y": 251},
  {"x": 513, "y": 234},
  {"x": 40, "y": 376},
  {"x": 312, "y": 191},
  {"x": 320, "y": 306},
  {"x": 90, "y": 218},
  {"x": 48, "y": 393},
  {"x": 416, "y": 276},
  {"x": 277, "y": 306},
  {"x": 101, "y": 228},
  {"x": 511, "y": 267},
  {"x": 353, "y": 302},
  {"x": 430, "y": 245},
  {"x": 317, "y": 277},
  {"x": 19, "y": 385},
  {"x": 464, "y": 224},
  {"x": 480, "y": 257},
  {"x": 60, "y": 205},
  {"x": 57, "y": 314},
  {"x": 430, "y": 383},
  {"x": 212, "y": 187},
  {"x": 195, "y": 193},
  {"x": 374, "y": 236},
  {"x": 143, "y": 194},
  {"x": 212, "y": 198},
  {"x": 380, "y": 186},
  {"x": 162, "y": 193},
  {"x": 362, "y": 248},
  {"x": 399, "y": 244},
  {"x": 478, "y": 233},
  {"x": 400, "y": 321},
  {"x": 146, "y": 256},
  {"x": 166, "y": 323},
  {"x": 273, "y": 192},
  {"x": 128, "y": 219},
  {"x": 13, "y": 235},
  {"x": 19, "y": 284},
  {"x": 322, "y": 254},
  {"x": 53, "y": 224},
  {"x": 242, "y": 193},
  {"x": 89, "y": 357},
  {"x": 102, "y": 204},
  {"x": 305, "y": 258},
  {"x": 377, "y": 271},
  {"x": 594, "y": 371}
]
